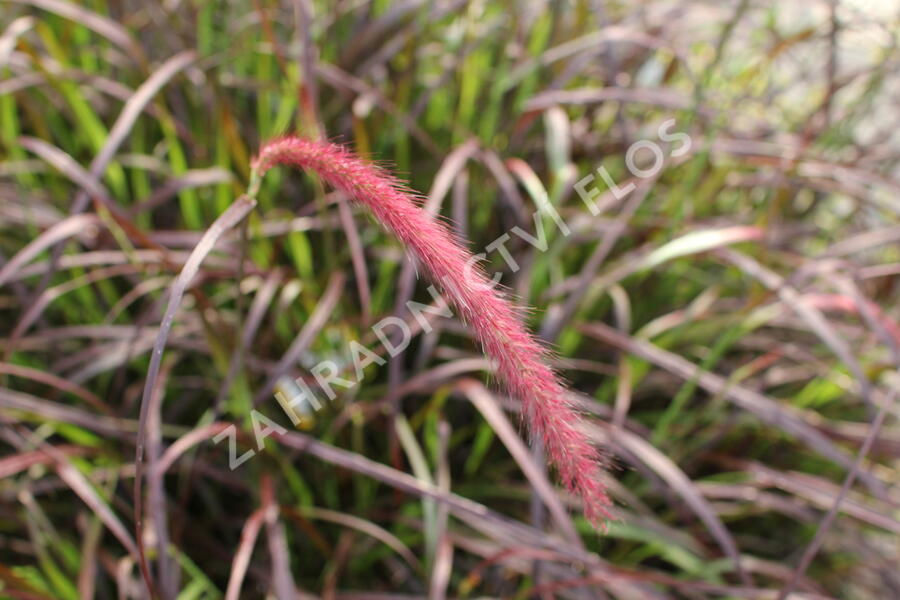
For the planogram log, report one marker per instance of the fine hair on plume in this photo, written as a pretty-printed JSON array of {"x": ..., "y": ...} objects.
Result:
[{"x": 520, "y": 359}]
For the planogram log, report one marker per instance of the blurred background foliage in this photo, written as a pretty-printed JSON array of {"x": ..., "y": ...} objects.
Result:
[{"x": 730, "y": 326}]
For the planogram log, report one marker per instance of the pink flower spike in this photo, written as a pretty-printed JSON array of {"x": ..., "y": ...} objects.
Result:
[{"x": 520, "y": 359}]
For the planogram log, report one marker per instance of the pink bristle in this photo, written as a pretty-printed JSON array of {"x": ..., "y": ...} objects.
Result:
[{"x": 520, "y": 359}]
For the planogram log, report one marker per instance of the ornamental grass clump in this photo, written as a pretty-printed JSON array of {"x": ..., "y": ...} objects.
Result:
[{"x": 519, "y": 358}]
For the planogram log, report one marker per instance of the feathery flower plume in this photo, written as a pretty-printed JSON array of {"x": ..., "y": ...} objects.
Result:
[{"x": 519, "y": 358}]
